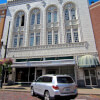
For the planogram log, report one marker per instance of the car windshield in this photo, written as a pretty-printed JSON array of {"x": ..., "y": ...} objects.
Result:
[{"x": 64, "y": 80}]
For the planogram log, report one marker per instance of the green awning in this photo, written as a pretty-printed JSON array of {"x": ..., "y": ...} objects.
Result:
[{"x": 88, "y": 61}]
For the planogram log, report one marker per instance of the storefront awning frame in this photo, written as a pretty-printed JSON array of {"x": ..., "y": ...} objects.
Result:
[{"x": 44, "y": 63}]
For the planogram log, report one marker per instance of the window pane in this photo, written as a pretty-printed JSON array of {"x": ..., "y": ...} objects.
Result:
[
  {"x": 37, "y": 38},
  {"x": 32, "y": 39},
  {"x": 33, "y": 19},
  {"x": 66, "y": 14},
  {"x": 17, "y": 21},
  {"x": 76, "y": 39},
  {"x": 15, "y": 41},
  {"x": 49, "y": 17},
  {"x": 73, "y": 13},
  {"x": 49, "y": 38},
  {"x": 56, "y": 37},
  {"x": 22, "y": 21},
  {"x": 38, "y": 18},
  {"x": 55, "y": 16},
  {"x": 69, "y": 39},
  {"x": 64, "y": 80},
  {"x": 21, "y": 40},
  {"x": 47, "y": 79}
]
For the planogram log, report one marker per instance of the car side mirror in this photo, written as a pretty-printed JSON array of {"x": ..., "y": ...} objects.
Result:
[{"x": 34, "y": 80}]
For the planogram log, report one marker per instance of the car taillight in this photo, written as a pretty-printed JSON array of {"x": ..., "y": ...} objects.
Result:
[
  {"x": 55, "y": 87},
  {"x": 75, "y": 86}
]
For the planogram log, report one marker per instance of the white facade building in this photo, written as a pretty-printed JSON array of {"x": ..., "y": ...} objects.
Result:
[{"x": 48, "y": 37}]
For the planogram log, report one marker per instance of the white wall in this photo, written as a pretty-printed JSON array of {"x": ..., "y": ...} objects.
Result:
[{"x": 84, "y": 25}]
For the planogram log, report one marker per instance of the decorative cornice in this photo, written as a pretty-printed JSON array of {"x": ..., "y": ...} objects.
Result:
[
  {"x": 43, "y": 47},
  {"x": 19, "y": 2}
]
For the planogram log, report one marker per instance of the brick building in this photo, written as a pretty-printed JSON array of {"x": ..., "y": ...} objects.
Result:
[
  {"x": 95, "y": 17},
  {"x": 3, "y": 9}
]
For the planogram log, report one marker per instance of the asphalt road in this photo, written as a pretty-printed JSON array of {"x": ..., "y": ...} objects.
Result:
[{"x": 10, "y": 95}]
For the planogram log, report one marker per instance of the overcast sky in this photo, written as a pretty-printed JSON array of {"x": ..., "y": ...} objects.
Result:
[{"x": 4, "y": 1}]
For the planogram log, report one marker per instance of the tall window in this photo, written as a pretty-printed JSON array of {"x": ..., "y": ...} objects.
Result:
[
  {"x": 50, "y": 37},
  {"x": 56, "y": 37},
  {"x": 33, "y": 19},
  {"x": 18, "y": 40},
  {"x": 52, "y": 14},
  {"x": 69, "y": 11},
  {"x": 37, "y": 38},
  {"x": 66, "y": 14},
  {"x": 35, "y": 16},
  {"x": 20, "y": 19},
  {"x": 15, "y": 41},
  {"x": 17, "y": 21},
  {"x": 38, "y": 18},
  {"x": 73, "y": 13},
  {"x": 34, "y": 39},
  {"x": 75, "y": 31},
  {"x": 31, "y": 39},
  {"x": 21, "y": 40},
  {"x": 55, "y": 16},
  {"x": 72, "y": 36},
  {"x": 49, "y": 17},
  {"x": 68, "y": 34}
]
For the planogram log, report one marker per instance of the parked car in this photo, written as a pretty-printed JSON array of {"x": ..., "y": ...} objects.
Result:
[{"x": 54, "y": 86}]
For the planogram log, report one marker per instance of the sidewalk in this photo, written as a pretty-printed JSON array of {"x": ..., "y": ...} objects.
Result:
[{"x": 20, "y": 88}]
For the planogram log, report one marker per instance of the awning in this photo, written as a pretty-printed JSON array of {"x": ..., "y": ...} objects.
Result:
[{"x": 88, "y": 61}]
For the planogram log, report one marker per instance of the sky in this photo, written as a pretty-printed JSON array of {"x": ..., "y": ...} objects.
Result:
[{"x": 4, "y": 1}]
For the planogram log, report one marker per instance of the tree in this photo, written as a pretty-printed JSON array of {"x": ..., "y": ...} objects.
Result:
[{"x": 5, "y": 66}]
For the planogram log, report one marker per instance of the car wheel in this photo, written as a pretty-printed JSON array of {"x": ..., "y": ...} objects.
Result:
[
  {"x": 47, "y": 96},
  {"x": 32, "y": 91}
]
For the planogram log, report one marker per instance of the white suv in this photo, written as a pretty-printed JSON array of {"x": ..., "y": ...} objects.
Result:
[{"x": 54, "y": 86}]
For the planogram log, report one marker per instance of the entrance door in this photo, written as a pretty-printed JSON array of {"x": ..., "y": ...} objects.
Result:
[
  {"x": 90, "y": 77},
  {"x": 38, "y": 73}
]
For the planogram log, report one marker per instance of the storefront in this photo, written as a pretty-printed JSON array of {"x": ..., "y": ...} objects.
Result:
[
  {"x": 28, "y": 72},
  {"x": 89, "y": 65}
]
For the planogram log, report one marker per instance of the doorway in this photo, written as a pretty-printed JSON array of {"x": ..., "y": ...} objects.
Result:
[
  {"x": 38, "y": 73},
  {"x": 90, "y": 77}
]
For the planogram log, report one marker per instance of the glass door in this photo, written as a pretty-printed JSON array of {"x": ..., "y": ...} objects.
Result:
[
  {"x": 38, "y": 73},
  {"x": 90, "y": 77}
]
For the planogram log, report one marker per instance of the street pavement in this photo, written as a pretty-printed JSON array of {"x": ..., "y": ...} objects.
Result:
[
  {"x": 19, "y": 92},
  {"x": 11, "y": 95}
]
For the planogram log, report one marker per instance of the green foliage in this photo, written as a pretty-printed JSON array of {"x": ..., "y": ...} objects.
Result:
[{"x": 0, "y": 70}]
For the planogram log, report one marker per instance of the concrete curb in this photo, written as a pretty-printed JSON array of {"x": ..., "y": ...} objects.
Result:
[{"x": 14, "y": 90}]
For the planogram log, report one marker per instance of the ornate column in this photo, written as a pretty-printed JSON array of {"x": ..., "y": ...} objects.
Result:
[
  {"x": 43, "y": 24},
  {"x": 26, "y": 39}
]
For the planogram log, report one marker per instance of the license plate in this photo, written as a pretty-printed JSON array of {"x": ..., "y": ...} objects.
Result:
[{"x": 67, "y": 89}]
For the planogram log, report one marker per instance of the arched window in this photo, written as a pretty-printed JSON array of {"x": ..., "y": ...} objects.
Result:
[
  {"x": 18, "y": 36},
  {"x": 52, "y": 14},
  {"x": 20, "y": 19},
  {"x": 69, "y": 11},
  {"x": 35, "y": 16}
]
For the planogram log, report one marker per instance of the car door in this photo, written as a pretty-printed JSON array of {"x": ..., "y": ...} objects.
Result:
[{"x": 37, "y": 86}]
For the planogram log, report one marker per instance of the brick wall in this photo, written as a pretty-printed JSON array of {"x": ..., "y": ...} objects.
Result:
[
  {"x": 2, "y": 21},
  {"x": 95, "y": 17}
]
